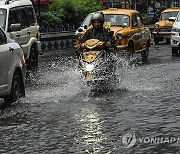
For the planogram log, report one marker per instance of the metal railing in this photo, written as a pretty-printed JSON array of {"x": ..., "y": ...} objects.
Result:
[
  {"x": 59, "y": 28},
  {"x": 57, "y": 37}
]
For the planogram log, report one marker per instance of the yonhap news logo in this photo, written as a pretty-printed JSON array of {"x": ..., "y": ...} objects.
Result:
[{"x": 131, "y": 139}]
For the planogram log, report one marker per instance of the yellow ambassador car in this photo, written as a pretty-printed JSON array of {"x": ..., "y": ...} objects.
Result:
[
  {"x": 162, "y": 29},
  {"x": 129, "y": 31}
]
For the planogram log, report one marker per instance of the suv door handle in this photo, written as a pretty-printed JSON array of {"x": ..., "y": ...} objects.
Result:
[
  {"x": 11, "y": 49},
  {"x": 17, "y": 35}
]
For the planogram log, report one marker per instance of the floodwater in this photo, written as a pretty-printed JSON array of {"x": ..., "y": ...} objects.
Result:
[{"x": 61, "y": 115}]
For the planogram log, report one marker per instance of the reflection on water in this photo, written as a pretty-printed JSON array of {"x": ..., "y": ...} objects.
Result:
[{"x": 92, "y": 127}]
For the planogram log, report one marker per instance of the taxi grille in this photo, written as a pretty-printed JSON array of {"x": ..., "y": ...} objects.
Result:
[{"x": 165, "y": 29}]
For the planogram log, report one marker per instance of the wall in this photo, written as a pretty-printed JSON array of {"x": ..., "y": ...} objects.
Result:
[{"x": 56, "y": 41}]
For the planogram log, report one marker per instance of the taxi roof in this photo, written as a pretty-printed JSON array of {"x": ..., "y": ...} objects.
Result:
[
  {"x": 171, "y": 10},
  {"x": 14, "y": 3},
  {"x": 119, "y": 11}
]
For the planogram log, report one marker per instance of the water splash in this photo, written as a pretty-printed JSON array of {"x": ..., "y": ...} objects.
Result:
[{"x": 134, "y": 76}]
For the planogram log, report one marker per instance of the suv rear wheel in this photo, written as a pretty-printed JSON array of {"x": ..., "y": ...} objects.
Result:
[
  {"x": 32, "y": 62},
  {"x": 17, "y": 89}
]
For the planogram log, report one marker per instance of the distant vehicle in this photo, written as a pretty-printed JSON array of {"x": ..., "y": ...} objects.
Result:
[
  {"x": 129, "y": 31},
  {"x": 175, "y": 38},
  {"x": 162, "y": 28},
  {"x": 85, "y": 24},
  {"x": 12, "y": 69},
  {"x": 18, "y": 19}
]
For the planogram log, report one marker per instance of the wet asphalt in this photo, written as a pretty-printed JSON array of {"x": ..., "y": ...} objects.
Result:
[{"x": 61, "y": 115}]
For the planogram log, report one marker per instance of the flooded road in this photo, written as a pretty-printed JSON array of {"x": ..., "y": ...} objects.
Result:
[{"x": 61, "y": 115}]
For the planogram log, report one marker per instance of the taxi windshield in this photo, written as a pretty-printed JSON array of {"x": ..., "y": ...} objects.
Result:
[
  {"x": 2, "y": 18},
  {"x": 86, "y": 21},
  {"x": 117, "y": 20},
  {"x": 167, "y": 15}
]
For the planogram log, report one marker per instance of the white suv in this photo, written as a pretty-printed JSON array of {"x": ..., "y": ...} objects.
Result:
[
  {"x": 175, "y": 36},
  {"x": 12, "y": 69},
  {"x": 17, "y": 18}
]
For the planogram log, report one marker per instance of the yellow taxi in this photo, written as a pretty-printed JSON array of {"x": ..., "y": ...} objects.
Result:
[
  {"x": 162, "y": 28},
  {"x": 129, "y": 31}
]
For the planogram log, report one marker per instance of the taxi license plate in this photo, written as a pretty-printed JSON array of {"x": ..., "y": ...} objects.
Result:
[
  {"x": 167, "y": 36},
  {"x": 89, "y": 77}
]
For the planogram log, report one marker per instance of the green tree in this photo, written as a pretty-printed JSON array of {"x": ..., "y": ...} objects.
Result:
[
  {"x": 84, "y": 7},
  {"x": 50, "y": 19},
  {"x": 69, "y": 11}
]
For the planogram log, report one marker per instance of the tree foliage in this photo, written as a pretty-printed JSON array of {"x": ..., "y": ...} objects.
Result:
[{"x": 69, "y": 11}]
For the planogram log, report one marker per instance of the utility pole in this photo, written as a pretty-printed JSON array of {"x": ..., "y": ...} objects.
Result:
[
  {"x": 134, "y": 2},
  {"x": 39, "y": 12}
]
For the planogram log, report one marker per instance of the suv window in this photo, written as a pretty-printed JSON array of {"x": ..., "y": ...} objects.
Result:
[
  {"x": 12, "y": 17},
  {"x": 30, "y": 15},
  {"x": 18, "y": 15},
  {"x": 3, "y": 38},
  {"x": 3, "y": 13},
  {"x": 22, "y": 17}
]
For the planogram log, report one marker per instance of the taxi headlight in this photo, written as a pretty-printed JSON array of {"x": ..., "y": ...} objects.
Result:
[
  {"x": 174, "y": 29},
  {"x": 119, "y": 36}
]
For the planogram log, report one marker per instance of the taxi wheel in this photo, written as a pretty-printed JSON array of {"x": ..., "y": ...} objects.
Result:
[
  {"x": 156, "y": 41},
  {"x": 144, "y": 55},
  {"x": 129, "y": 53},
  {"x": 168, "y": 41},
  {"x": 174, "y": 51},
  {"x": 16, "y": 90}
]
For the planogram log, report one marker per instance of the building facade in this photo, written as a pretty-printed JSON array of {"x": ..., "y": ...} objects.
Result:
[{"x": 141, "y": 5}]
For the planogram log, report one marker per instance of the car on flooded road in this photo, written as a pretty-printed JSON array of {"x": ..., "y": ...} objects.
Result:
[
  {"x": 162, "y": 28},
  {"x": 175, "y": 37},
  {"x": 18, "y": 19},
  {"x": 129, "y": 31},
  {"x": 12, "y": 69}
]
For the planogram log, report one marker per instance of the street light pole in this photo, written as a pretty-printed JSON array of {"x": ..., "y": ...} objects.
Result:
[
  {"x": 39, "y": 12},
  {"x": 135, "y": 4}
]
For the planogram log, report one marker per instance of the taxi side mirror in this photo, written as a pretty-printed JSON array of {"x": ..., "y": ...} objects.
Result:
[
  {"x": 80, "y": 30},
  {"x": 110, "y": 33},
  {"x": 85, "y": 27}
]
